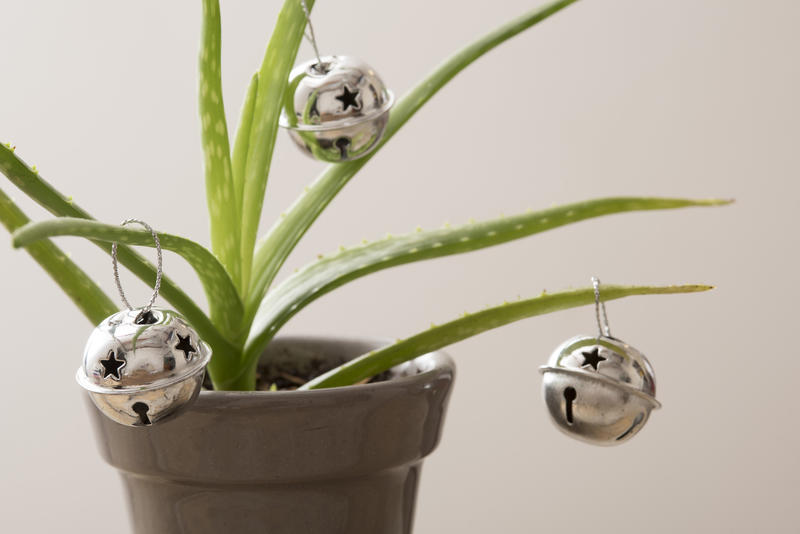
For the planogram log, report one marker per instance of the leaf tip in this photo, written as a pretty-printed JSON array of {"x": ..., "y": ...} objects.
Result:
[
  {"x": 703, "y": 287},
  {"x": 689, "y": 288},
  {"x": 716, "y": 201}
]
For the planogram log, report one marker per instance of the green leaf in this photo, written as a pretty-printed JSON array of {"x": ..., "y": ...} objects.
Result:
[
  {"x": 86, "y": 295},
  {"x": 275, "y": 247},
  {"x": 273, "y": 78},
  {"x": 242, "y": 144},
  {"x": 323, "y": 276},
  {"x": 224, "y": 301},
  {"x": 437, "y": 337},
  {"x": 30, "y": 183},
  {"x": 220, "y": 194}
]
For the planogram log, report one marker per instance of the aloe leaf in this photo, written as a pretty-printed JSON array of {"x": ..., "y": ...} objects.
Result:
[
  {"x": 273, "y": 78},
  {"x": 469, "y": 325},
  {"x": 242, "y": 144},
  {"x": 274, "y": 248},
  {"x": 33, "y": 185},
  {"x": 225, "y": 304},
  {"x": 220, "y": 194},
  {"x": 331, "y": 272},
  {"x": 81, "y": 289}
]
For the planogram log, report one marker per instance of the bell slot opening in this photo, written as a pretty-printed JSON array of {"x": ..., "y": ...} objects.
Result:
[
  {"x": 141, "y": 410},
  {"x": 342, "y": 143},
  {"x": 569, "y": 396}
]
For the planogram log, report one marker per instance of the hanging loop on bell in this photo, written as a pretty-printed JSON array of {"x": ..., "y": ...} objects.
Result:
[
  {"x": 602, "y": 325},
  {"x": 159, "y": 270},
  {"x": 312, "y": 38}
]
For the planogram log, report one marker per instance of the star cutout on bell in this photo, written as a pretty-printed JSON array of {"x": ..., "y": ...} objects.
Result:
[
  {"x": 348, "y": 99},
  {"x": 112, "y": 365},
  {"x": 185, "y": 344},
  {"x": 592, "y": 358}
]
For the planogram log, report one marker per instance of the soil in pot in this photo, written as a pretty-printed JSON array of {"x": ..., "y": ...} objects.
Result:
[{"x": 286, "y": 373}]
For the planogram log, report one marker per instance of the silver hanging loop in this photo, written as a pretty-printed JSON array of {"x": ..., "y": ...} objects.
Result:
[
  {"x": 312, "y": 38},
  {"x": 159, "y": 271},
  {"x": 602, "y": 325}
]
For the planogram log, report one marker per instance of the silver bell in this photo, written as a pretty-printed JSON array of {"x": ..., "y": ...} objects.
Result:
[
  {"x": 142, "y": 367},
  {"x": 337, "y": 108},
  {"x": 599, "y": 389}
]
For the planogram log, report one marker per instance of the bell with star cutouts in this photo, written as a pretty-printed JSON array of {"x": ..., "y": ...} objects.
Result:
[
  {"x": 337, "y": 108},
  {"x": 143, "y": 365},
  {"x": 599, "y": 389}
]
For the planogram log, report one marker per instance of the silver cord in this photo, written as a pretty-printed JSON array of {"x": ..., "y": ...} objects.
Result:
[
  {"x": 158, "y": 269},
  {"x": 602, "y": 326},
  {"x": 311, "y": 37}
]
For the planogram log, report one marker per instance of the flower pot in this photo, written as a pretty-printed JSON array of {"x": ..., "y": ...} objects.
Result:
[{"x": 340, "y": 460}]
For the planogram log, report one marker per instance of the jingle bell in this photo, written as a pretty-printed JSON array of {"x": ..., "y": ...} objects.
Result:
[
  {"x": 142, "y": 367},
  {"x": 599, "y": 389},
  {"x": 337, "y": 108}
]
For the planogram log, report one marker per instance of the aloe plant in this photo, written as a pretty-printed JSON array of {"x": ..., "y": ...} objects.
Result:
[{"x": 245, "y": 311}]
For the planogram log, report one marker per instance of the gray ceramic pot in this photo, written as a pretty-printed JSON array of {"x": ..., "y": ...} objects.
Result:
[{"x": 335, "y": 461}]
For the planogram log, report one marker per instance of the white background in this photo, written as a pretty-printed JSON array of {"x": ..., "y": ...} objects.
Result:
[{"x": 692, "y": 98}]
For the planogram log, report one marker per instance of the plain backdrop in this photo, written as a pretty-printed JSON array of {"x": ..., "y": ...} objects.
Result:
[{"x": 695, "y": 98}]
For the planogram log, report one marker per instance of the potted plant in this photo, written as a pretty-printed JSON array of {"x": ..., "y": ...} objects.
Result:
[{"x": 292, "y": 434}]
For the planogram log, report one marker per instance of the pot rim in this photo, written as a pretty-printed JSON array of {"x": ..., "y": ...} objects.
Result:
[{"x": 436, "y": 363}]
